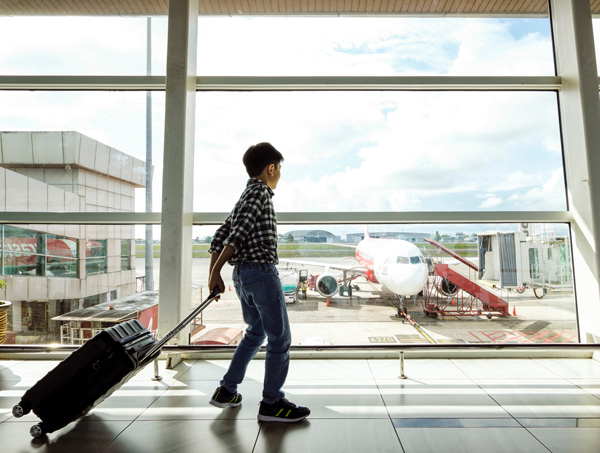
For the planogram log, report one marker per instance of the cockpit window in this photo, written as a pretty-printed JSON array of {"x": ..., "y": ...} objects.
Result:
[
  {"x": 402, "y": 260},
  {"x": 415, "y": 259}
]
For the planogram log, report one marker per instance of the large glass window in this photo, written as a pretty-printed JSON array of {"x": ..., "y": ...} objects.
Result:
[
  {"x": 55, "y": 281},
  {"x": 125, "y": 255},
  {"x": 454, "y": 283},
  {"x": 83, "y": 151},
  {"x": 80, "y": 45},
  {"x": 62, "y": 256},
  {"x": 386, "y": 151},
  {"x": 375, "y": 46},
  {"x": 79, "y": 151},
  {"x": 95, "y": 257},
  {"x": 23, "y": 251},
  {"x": 35, "y": 253},
  {"x": 76, "y": 151}
]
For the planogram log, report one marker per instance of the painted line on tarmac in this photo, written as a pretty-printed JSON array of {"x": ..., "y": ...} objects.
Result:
[
  {"x": 522, "y": 337},
  {"x": 422, "y": 332}
]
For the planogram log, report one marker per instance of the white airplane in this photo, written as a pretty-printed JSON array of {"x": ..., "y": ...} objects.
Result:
[{"x": 396, "y": 264}]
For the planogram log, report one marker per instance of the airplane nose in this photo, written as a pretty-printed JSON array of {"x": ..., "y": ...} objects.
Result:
[{"x": 419, "y": 278}]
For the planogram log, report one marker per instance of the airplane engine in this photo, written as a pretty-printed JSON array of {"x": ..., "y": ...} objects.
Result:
[
  {"x": 327, "y": 285},
  {"x": 446, "y": 287}
]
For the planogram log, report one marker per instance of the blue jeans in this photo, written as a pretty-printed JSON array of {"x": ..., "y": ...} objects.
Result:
[{"x": 263, "y": 307}]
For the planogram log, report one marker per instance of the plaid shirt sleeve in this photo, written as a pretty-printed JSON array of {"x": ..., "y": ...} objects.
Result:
[{"x": 221, "y": 234}]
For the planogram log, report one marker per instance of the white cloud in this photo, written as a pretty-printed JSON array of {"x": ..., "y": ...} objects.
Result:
[
  {"x": 490, "y": 201},
  {"x": 487, "y": 47},
  {"x": 432, "y": 147},
  {"x": 404, "y": 201},
  {"x": 323, "y": 46},
  {"x": 80, "y": 45},
  {"x": 550, "y": 196}
]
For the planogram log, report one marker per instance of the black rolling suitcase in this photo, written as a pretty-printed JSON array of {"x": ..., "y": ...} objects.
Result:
[{"x": 93, "y": 372}]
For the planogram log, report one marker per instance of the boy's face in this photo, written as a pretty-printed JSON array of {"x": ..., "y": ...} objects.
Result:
[{"x": 274, "y": 173}]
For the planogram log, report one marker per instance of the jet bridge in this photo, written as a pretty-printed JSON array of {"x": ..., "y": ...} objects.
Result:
[{"x": 531, "y": 257}]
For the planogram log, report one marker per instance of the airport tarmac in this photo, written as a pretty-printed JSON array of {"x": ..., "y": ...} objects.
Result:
[{"x": 370, "y": 316}]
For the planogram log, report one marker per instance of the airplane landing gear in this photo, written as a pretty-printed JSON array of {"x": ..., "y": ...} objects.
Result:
[
  {"x": 402, "y": 311},
  {"x": 347, "y": 289}
]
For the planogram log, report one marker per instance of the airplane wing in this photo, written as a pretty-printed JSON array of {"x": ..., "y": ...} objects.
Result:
[
  {"x": 355, "y": 269},
  {"x": 348, "y": 246}
]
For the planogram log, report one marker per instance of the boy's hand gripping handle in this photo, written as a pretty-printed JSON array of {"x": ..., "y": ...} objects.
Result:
[{"x": 175, "y": 330}]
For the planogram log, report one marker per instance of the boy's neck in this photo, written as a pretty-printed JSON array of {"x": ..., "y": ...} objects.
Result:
[{"x": 263, "y": 179}]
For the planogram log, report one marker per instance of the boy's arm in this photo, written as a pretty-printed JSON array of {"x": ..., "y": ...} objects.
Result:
[
  {"x": 215, "y": 250},
  {"x": 233, "y": 233},
  {"x": 217, "y": 261}
]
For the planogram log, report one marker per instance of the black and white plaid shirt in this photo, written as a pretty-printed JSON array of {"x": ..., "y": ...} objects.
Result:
[{"x": 251, "y": 228}]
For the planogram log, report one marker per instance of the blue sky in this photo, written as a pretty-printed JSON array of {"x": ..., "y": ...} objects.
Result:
[{"x": 391, "y": 151}]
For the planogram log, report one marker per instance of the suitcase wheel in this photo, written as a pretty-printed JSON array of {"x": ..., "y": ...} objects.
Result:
[
  {"x": 37, "y": 430},
  {"x": 21, "y": 409}
]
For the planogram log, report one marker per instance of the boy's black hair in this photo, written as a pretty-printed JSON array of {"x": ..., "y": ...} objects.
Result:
[{"x": 259, "y": 156}]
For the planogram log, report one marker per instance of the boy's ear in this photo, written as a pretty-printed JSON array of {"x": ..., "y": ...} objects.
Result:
[{"x": 271, "y": 169}]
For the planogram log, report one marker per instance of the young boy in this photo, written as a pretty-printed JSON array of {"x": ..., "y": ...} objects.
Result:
[{"x": 248, "y": 241}]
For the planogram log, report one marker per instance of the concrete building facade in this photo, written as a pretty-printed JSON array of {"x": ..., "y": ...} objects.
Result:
[{"x": 55, "y": 268}]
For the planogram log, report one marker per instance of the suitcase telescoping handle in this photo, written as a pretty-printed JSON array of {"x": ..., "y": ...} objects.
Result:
[{"x": 189, "y": 318}]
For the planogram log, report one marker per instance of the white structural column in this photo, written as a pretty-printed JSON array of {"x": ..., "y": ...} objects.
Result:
[
  {"x": 177, "y": 209},
  {"x": 580, "y": 118}
]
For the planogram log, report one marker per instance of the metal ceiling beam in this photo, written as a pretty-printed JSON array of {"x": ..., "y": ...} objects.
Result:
[
  {"x": 293, "y": 218},
  {"x": 292, "y": 83}
]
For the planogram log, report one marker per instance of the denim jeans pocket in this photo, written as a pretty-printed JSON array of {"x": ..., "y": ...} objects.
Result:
[
  {"x": 259, "y": 292},
  {"x": 248, "y": 276},
  {"x": 262, "y": 283}
]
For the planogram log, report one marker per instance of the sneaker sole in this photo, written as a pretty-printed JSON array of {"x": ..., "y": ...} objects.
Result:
[
  {"x": 269, "y": 418},
  {"x": 224, "y": 405}
]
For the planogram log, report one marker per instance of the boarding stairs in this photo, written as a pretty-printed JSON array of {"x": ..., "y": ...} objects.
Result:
[{"x": 461, "y": 296}]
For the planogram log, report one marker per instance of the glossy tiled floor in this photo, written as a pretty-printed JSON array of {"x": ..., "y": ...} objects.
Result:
[{"x": 466, "y": 405}]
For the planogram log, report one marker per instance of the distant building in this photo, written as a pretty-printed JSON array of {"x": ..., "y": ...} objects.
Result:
[
  {"x": 447, "y": 239},
  {"x": 53, "y": 269},
  {"x": 405, "y": 236},
  {"x": 314, "y": 236}
]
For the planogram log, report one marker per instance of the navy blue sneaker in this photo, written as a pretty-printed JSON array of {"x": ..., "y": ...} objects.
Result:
[
  {"x": 282, "y": 411},
  {"x": 223, "y": 398}
]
